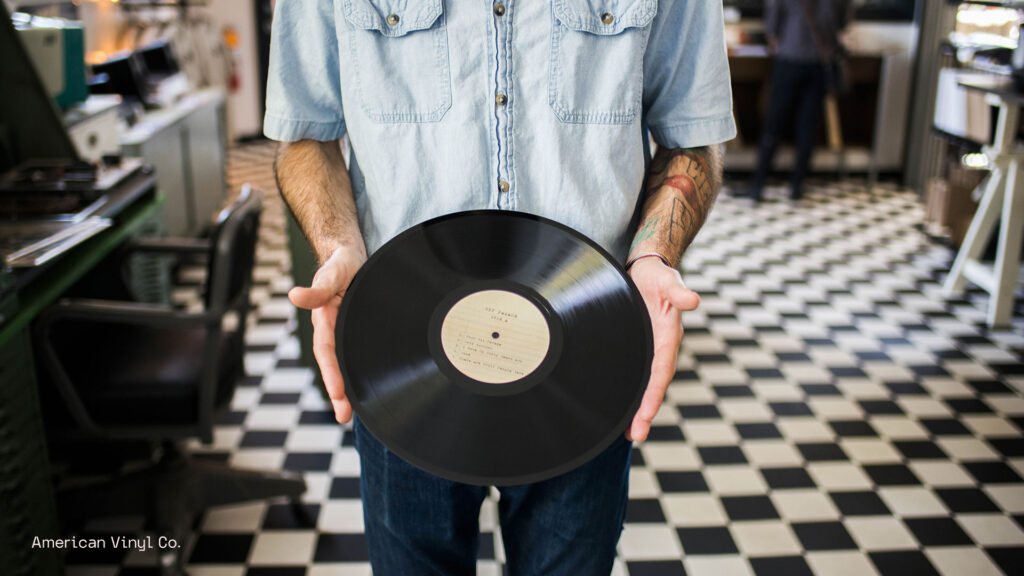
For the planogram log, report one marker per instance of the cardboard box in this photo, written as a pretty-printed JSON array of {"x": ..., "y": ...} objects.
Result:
[
  {"x": 949, "y": 202},
  {"x": 936, "y": 195},
  {"x": 960, "y": 205}
]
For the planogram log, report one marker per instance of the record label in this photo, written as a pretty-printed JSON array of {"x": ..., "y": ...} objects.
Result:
[{"x": 495, "y": 336}]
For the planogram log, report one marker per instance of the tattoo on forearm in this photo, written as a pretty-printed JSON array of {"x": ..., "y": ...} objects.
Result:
[
  {"x": 647, "y": 230},
  {"x": 675, "y": 225},
  {"x": 682, "y": 185}
]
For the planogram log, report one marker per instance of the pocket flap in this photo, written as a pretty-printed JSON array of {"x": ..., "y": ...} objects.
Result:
[
  {"x": 392, "y": 17},
  {"x": 605, "y": 17}
]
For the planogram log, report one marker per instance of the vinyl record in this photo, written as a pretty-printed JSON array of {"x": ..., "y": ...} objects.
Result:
[{"x": 494, "y": 347}]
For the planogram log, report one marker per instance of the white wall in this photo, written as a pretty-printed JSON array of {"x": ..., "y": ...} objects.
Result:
[{"x": 243, "y": 105}]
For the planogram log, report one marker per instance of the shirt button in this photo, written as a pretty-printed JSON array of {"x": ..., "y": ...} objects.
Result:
[
  {"x": 607, "y": 18},
  {"x": 392, "y": 19},
  {"x": 499, "y": 9},
  {"x": 503, "y": 186},
  {"x": 500, "y": 99}
]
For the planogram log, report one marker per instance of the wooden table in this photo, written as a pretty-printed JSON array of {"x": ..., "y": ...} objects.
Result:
[{"x": 1002, "y": 200}]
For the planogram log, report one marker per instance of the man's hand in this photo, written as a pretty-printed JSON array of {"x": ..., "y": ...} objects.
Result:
[
  {"x": 323, "y": 298},
  {"x": 682, "y": 184},
  {"x": 315, "y": 184},
  {"x": 666, "y": 297}
]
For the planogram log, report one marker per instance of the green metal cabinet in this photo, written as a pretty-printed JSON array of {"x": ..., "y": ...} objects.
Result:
[{"x": 28, "y": 509}]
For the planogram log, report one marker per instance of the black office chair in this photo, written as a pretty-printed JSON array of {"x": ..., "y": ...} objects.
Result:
[{"x": 125, "y": 371}]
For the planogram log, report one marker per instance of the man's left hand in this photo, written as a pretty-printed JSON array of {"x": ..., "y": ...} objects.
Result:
[{"x": 666, "y": 297}]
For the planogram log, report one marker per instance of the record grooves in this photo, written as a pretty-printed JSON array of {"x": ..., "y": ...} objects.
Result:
[{"x": 494, "y": 347}]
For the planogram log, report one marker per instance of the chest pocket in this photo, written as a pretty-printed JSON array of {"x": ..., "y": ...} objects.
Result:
[
  {"x": 399, "y": 55},
  {"x": 597, "y": 51}
]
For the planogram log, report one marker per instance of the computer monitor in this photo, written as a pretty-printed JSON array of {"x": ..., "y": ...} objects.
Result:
[
  {"x": 31, "y": 128},
  {"x": 124, "y": 74},
  {"x": 160, "y": 59}
]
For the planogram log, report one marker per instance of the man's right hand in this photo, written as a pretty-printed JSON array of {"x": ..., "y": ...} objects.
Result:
[{"x": 323, "y": 298}]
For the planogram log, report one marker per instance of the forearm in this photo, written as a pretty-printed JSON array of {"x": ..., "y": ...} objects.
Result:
[
  {"x": 315, "y": 184},
  {"x": 682, "y": 185}
]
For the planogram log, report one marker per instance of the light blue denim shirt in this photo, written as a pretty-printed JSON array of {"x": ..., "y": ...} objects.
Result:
[{"x": 536, "y": 106}]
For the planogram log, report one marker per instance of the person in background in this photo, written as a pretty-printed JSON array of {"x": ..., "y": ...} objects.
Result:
[{"x": 802, "y": 36}]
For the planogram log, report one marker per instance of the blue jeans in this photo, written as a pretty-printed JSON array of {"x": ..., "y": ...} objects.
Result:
[{"x": 420, "y": 524}]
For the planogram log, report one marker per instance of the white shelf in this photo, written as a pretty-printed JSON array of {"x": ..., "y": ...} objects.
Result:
[{"x": 33, "y": 3}]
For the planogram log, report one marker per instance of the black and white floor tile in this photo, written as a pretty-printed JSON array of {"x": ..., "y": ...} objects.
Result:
[{"x": 831, "y": 414}]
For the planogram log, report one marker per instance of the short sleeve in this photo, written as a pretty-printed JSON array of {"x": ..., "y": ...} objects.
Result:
[
  {"x": 303, "y": 81},
  {"x": 687, "y": 94}
]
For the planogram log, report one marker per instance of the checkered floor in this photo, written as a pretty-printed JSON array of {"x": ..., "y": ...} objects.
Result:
[{"x": 831, "y": 414}]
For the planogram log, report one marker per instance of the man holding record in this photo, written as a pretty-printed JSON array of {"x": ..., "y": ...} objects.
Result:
[{"x": 538, "y": 107}]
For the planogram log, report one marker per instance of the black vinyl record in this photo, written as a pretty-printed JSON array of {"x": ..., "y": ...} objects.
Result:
[{"x": 494, "y": 347}]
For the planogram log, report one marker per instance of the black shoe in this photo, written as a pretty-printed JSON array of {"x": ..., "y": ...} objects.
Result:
[{"x": 751, "y": 193}]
